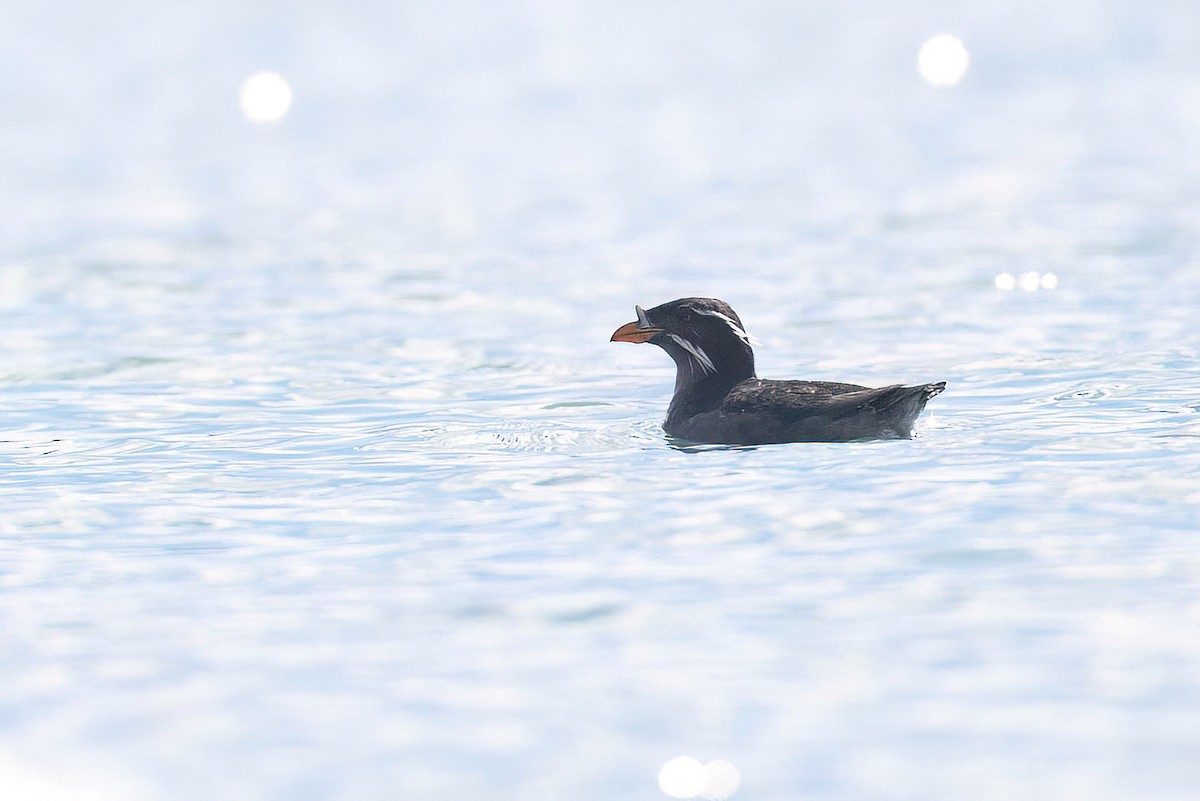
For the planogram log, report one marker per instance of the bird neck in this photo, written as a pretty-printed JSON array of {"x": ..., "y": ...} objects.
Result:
[{"x": 697, "y": 391}]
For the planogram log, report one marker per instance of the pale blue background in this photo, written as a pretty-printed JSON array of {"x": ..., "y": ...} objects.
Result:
[{"x": 321, "y": 481}]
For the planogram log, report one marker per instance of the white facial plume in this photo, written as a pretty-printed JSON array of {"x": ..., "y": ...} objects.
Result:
[
  {"x": 697, "y": 352},
  {"x": 733, "y": 326}
]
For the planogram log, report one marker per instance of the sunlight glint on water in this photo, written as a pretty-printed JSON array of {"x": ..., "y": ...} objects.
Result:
[
  {"x": 322, "y": 482},
  {"x": 265, "y": 97}
]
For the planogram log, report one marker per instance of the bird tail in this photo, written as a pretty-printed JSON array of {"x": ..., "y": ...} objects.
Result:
[
  {"x": 914, "y": 398},
  {"x": 902, "y": 405},
  {"x": 932, "y": 390}
]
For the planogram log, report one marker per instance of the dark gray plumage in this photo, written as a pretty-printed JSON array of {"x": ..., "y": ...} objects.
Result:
[{"x": 718, "y": 398}]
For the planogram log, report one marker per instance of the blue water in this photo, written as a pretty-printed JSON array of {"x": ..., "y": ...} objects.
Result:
[{"x": 321, "y": 480}]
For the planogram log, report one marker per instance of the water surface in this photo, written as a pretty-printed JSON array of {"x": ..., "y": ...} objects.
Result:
[{"x": 322, "y": 481}]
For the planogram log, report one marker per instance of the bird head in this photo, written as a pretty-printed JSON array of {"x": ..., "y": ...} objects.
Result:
[{"x": 704, "y": 336}]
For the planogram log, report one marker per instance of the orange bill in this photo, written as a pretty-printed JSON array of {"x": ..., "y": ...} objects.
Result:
[{"x": 632, "y": 332}]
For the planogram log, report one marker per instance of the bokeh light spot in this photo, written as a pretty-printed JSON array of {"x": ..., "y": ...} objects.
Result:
[
  {"x": 682, "y": 777},
  {"x": 685, "y": 777},
  {"x": 943, "y": 60},
  {"x": 1030, "y": 281},
  {"x": 265, "y": 97}
]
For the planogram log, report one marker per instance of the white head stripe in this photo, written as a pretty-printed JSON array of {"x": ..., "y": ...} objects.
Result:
[
  {"x": 706, "y": 363},
  {"x": 732, "y": 323}
]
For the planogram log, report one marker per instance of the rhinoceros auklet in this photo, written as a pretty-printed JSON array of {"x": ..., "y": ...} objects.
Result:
[{"x": 719, "y": 400}]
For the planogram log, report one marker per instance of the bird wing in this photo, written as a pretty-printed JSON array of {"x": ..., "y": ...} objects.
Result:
[
  {"x": 817, "y": 410},
  {"x": 788, "y": 398}
]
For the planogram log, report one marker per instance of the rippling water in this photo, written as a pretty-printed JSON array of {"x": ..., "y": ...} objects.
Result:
[{"x": 321, "y": 479}]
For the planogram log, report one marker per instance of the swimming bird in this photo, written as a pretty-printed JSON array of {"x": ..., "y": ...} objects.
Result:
[{"x": 718, "y": 398}]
